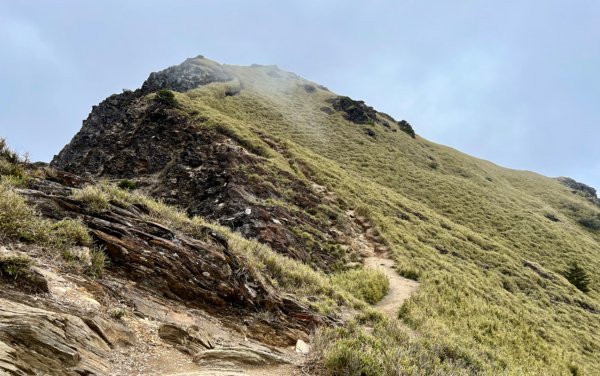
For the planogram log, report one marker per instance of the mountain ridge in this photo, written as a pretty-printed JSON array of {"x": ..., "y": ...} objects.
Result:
[{"x": 284, "y": 161}]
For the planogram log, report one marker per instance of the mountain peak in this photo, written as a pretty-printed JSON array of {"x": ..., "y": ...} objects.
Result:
[{"x": 191, "y": 74}]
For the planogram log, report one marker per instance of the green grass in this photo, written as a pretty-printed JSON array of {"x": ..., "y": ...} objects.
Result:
[
  {"x": 19, "y": 221},
  {"x": 93, "y": 196},
  {"x": 367, "y": 284},
  {"x": 476, "y": 235},
  {"x": 389, "y": 349},
  {"x": 492, "y": 297}
]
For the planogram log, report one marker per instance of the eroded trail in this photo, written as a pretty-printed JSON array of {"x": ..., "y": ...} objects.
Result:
[
  {"x": 400, "y": 288},
  {"x": 376, "y": 255}
]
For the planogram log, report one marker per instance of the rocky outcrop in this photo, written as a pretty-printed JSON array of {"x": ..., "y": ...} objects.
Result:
[
  {"x": 355, "y": 111},
  {"x": 63, "y": 331},
  {"x": 584, "y": 189},
  {"x": 190, "y": 74},
  {"x": 37, "y": 341},
  {"x": 581, "y": 189},
  {"x": 202, "y": 273},
  {"x": 205, "y": 170}
]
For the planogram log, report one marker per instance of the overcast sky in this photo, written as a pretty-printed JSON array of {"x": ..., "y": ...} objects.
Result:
[{"x": 514, "y": 82}]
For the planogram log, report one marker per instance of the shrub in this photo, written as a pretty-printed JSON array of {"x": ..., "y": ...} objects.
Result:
[
  {"x": 406, "y": 128},
  {"x": 346, "y": 351},
  {"x": 13, "y": 266},
  {"x": 127, "y": 184},
  {"x": 593, "y": 223},
  {"x": 388, "y": 349},
  {"x": 577, "y": 276},
  {"x": 166, "y": 97},
  {"x": 117, "y": 313},
  {"x": 367, "y": 284}
]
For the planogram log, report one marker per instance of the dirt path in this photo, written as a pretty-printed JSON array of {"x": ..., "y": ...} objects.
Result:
[
  {"x": 376, "y": 255},
  {"x": 400, "y": 288}
]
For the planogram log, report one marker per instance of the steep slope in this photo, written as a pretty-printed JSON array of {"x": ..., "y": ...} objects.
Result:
[
  {"x": 97, "y": 280},
  {"x": 281, "y": 159}
]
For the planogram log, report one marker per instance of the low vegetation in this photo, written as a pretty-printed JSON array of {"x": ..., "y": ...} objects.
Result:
[
  {"x": 389, "y": 350},
  {"x": 12, "y": 266},
  {"x": 93, "y": 196},
  {"x": 166, "y": 97},
  {"x": 20, "y": 222},
  {"x": 465, "y": 228},
  {"x": 367, "y": 284},
  {"x": 127, "y": 184}
]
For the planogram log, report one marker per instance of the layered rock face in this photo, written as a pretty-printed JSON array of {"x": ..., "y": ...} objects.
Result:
[
  {"x": 205, "y": 170},
  {"x": 152, "y": 269}
]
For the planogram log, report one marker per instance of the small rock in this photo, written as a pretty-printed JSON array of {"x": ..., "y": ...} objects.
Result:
[
  {"x": 302, "y": 347},
  {"x": 248, "y": 211},
  {"x": 277, "y": 221},
  {"x": 206, "y": 274}
]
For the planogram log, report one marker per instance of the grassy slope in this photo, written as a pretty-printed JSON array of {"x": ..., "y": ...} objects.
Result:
[{"x": 467, "y": 227}]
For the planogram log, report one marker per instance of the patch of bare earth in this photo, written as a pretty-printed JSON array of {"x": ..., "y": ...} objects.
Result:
[{"x": 376, "y": 255}]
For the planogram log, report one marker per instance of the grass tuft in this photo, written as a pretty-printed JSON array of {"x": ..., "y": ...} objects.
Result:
[
  {"x": 13, "y": 266},
  {"x": 367, "y": 284}
]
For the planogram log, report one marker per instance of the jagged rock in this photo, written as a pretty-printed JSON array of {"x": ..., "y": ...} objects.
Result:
[
  {"x": 355, "y": 111},
  {"x": 203, "y": 170},
  {"x": 35, "y": 341},
  {"x": 202, "y": 273},
  {"x": 582, "y": 189},
  {"x": 192, "y": 73},
  {"x": 577, "y": 186}
]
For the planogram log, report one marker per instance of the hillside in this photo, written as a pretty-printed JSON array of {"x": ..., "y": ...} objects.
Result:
[{"x": 328, "y": 183}]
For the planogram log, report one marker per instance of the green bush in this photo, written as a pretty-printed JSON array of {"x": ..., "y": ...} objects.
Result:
[
  {"x": 127, "y": 184},
  {"x": 577, "y": 276},
  {"x": 68, "y": 233},
  {"x": 17, "y": 219},
  {"x": 166, "y": 97},
  {"x": 406, "y": 128},
  {"x": 387, "y": 349},
  {"x": 593, "y": 223},
  {"x": 409, "y": 273}
]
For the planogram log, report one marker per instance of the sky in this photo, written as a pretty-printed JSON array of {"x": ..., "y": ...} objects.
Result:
[{"x": 513, "y": 82}]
